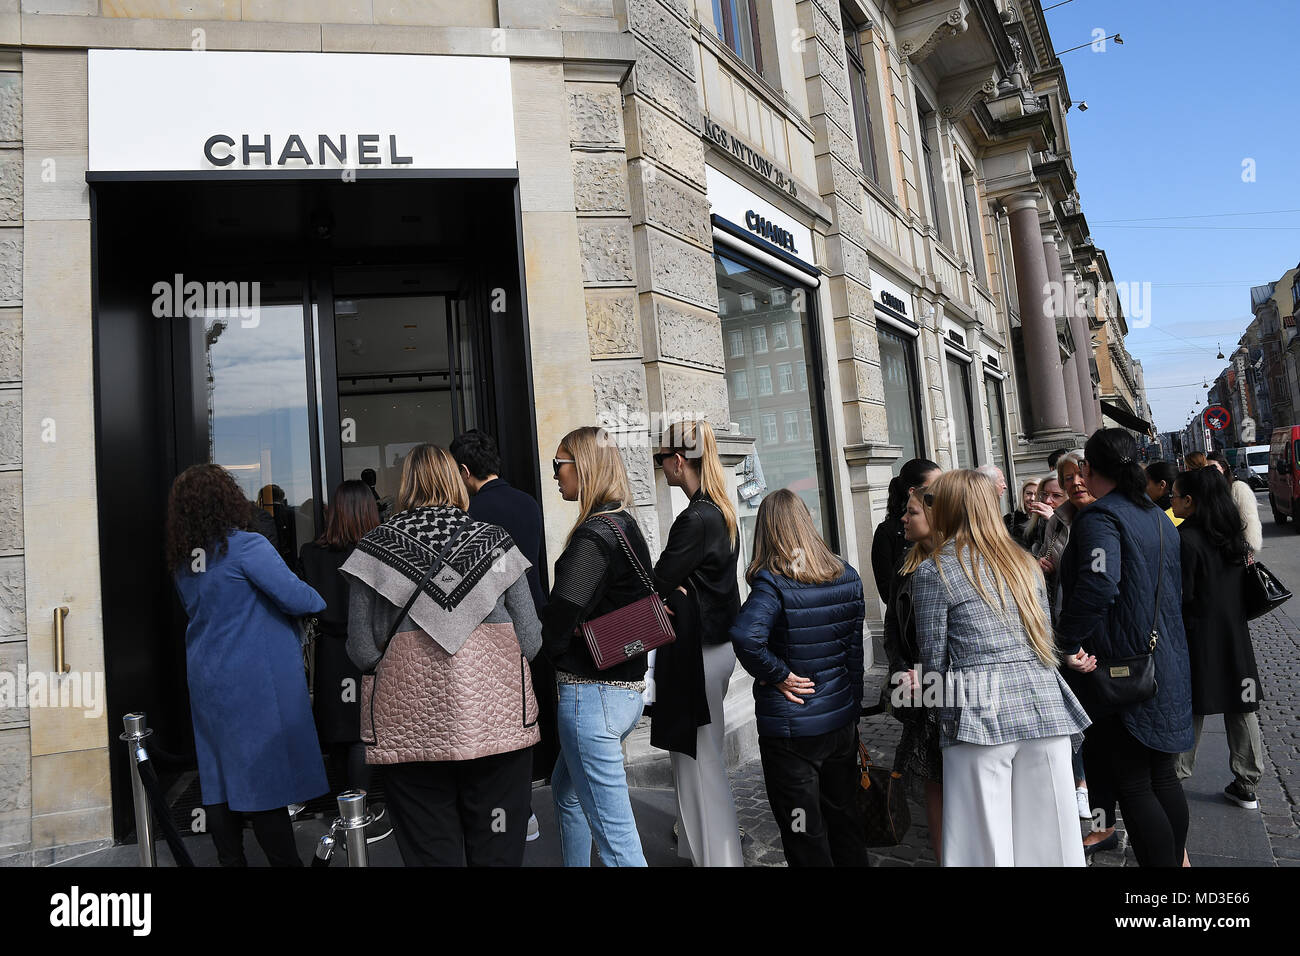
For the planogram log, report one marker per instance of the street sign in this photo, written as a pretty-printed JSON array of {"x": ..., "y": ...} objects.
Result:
[{"x": 1217, "y": 417}]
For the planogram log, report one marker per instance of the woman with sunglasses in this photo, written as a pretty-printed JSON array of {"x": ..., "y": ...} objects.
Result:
[
  {"x": 696, "y": 574},
  {"x": 596, "y": 709}
]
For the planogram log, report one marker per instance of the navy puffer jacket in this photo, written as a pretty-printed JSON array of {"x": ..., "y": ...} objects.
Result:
[
  {"x": 814, "y": 630},
  {"x": 1108, "y": 579}
]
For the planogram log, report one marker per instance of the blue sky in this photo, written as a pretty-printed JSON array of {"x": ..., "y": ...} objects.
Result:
[{"x": 1196, "y": 89}]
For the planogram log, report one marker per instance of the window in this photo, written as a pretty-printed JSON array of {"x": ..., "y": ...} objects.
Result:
[
  {"x": 737, "y": 25},
  {"x": 775, "y": 420},
  {"x": 963, "y": 425},
  {"x": 902, "y": 393},
  {"x": 927, "y": 121},
  {"x": 974, "y": 226},
  {"x": 735, "y": 344},
  {"x": 785, "y": 377},
  {"x": 860, "y": 97},
  {"x": 996, "y": 412},
  {"x": 779, "y": 339}
]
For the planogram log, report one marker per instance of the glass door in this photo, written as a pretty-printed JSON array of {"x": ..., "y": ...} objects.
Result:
[{"x": 252, "y": 399}]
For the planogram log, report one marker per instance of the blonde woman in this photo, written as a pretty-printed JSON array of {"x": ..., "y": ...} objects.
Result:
[
  {"x": 596, "y": 709},
  {"x": 799, "y": 634},
  {"x": 440, "y": 613},
  {"x": 1049, "y": 498},
  {"x": 696, "y": 574},
  {"x": 918, "y": 753},
  {"x": 1018, "y": 518},
  {"x": 1008, "y": 722}
]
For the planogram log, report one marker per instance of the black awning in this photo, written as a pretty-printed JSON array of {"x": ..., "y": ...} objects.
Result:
[{"x": 1127, "y": 419}]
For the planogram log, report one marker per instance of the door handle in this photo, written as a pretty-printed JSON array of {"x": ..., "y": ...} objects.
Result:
[{"x": 60, "y": 664}]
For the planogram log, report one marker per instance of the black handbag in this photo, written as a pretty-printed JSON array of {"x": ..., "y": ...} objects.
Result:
[
  {"x": 882, "y": 802},
  {"x": 1123, "y": 681},
  {"x": 1261, "y": 591}
]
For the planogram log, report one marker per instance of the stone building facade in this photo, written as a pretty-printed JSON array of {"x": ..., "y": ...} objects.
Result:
[{"x": 846, "y": 233}]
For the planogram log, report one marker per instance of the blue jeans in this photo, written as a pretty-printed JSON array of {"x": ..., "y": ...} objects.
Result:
[{"x": 589, "y": 783}]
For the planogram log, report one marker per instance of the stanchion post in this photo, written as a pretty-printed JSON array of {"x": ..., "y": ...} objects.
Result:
[
  {"x": 134, "y": 734},
  {"x": 353, "y": 819}
]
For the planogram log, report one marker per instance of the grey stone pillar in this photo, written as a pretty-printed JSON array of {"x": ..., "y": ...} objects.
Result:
[
  {"x": 1082, "y": 353},
  {"x": 1050, "y": 413},
  {"x": 1060, "y": 302}
]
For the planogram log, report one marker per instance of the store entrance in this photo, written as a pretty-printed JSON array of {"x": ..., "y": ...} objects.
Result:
[{"x": 299, "y": 334}]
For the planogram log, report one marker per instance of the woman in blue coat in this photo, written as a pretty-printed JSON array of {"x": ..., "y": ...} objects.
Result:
[
  {"x": 1110, "y": 573},
  {"x": 253, "y": 731},
  {"x": 799, "y": 635}
]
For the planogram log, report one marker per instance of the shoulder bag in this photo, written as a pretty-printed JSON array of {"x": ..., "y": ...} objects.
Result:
[
  {"x": 1261, "y": 591},
  {"x": 631, "y": 630},
  {"x": 882, "y": 802},
  {"x": 1123, "y": 681}
]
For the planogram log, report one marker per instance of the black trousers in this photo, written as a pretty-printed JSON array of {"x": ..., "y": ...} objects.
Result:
[
  {"x": 461, "y": 812},
  {"x": 1101, "y": 777},
  {"x": 1150, "y": 794},
  {"x": 811, "y": 786},
  {"x": 273, "y": 829}
]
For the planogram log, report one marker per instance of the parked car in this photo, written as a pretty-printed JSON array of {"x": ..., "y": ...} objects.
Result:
[
  {"x": 1250, "y": 464},
  {"x": 1284, "y": 474}
]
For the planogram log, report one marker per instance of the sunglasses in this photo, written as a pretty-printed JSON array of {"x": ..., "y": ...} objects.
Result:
[
  {"x": 662, "y": 457},
  {"x": 557, "y": 462}
]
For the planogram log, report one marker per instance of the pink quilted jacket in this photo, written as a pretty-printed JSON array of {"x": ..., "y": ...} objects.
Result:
[{"x": 425, "y": 704}]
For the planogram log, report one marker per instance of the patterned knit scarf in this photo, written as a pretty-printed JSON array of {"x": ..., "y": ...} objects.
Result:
[{"x": 480, "y": 562}]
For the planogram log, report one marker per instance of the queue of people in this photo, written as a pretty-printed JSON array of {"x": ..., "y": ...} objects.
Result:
[{"x": 471, "y": 683}]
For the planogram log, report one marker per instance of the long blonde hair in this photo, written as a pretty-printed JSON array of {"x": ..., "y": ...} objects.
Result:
[
  {"x": 698, "y": 446},
  {"x": 964, "y": 510},
  {"x": 430, "y": 477},
  {"x": 602, "y": 476},
  {"x": 787, "y": 543},
  {"x": 920, "y": 550}
]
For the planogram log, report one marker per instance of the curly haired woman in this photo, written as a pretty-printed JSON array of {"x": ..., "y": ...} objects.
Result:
[{"x": 253, "y": 730}]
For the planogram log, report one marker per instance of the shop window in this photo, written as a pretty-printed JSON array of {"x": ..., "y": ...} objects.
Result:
[
  {"x": 785, "y": 377},
  {"x": 736, "y": 22},
  {"x": 902, "y": 393},
  {"x": 788, "y": 424},
  {"x": 995, "y": 411},
  {"x": 962, "y": 423},
  {"x": 860, "y": 95}
]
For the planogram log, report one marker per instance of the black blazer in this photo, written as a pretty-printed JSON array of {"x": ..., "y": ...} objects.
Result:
[
  {"x": 700, "y": 556},
  {"x": 505, "y": 506}
]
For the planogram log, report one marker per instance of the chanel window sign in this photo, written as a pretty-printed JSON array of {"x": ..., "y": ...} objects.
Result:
[
  {"x": 769, "y": 230},
  {"x": 890, "y": 296},
  {"x": 893, "y": 301},
  {"x": 232, "y": 112},
  {"x": 747, "y": 211}
]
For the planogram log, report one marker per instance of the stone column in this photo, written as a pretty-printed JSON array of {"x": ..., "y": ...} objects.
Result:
[
  {"x": 1051, "y": 416},
  {"x": 1058, "y": 297},
  {"x": 1083, "y": 352}
]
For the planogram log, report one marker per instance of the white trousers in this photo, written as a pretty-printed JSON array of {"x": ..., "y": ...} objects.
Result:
[
  {"x": 706, "y": 813},
  {"x": 1010, "y": 804}
]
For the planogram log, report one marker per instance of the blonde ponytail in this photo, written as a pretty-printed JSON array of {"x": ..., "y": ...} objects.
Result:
[{"x": 696, "y": 442}]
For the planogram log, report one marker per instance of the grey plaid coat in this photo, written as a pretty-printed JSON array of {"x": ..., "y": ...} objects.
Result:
[{"x": 995, "y": 689}]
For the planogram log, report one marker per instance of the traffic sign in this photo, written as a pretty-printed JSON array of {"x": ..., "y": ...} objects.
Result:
[{"x": 1217, "y": 418}]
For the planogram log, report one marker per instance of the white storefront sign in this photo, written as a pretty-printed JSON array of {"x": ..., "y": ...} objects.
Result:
[
  {"x": 892, "y": 296},
  {"x": 767, "y": 225},
  {"x": 169, "y": 110}
]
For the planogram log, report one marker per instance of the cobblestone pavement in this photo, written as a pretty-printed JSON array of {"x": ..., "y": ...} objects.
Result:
[{"x": 1276, "y": 638}]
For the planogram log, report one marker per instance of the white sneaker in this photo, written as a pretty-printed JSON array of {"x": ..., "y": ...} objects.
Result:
[
  {"x": 1081, "y": 797},
  {"x": 534, "y": 830}
]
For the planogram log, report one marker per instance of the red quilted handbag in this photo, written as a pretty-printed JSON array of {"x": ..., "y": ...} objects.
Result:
[{"x": 630, "y": 630}]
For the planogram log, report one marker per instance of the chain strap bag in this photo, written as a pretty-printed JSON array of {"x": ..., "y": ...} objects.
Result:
[
  {"x": 1123, "y": 681},
  {"x": 633, "y": 629}
]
